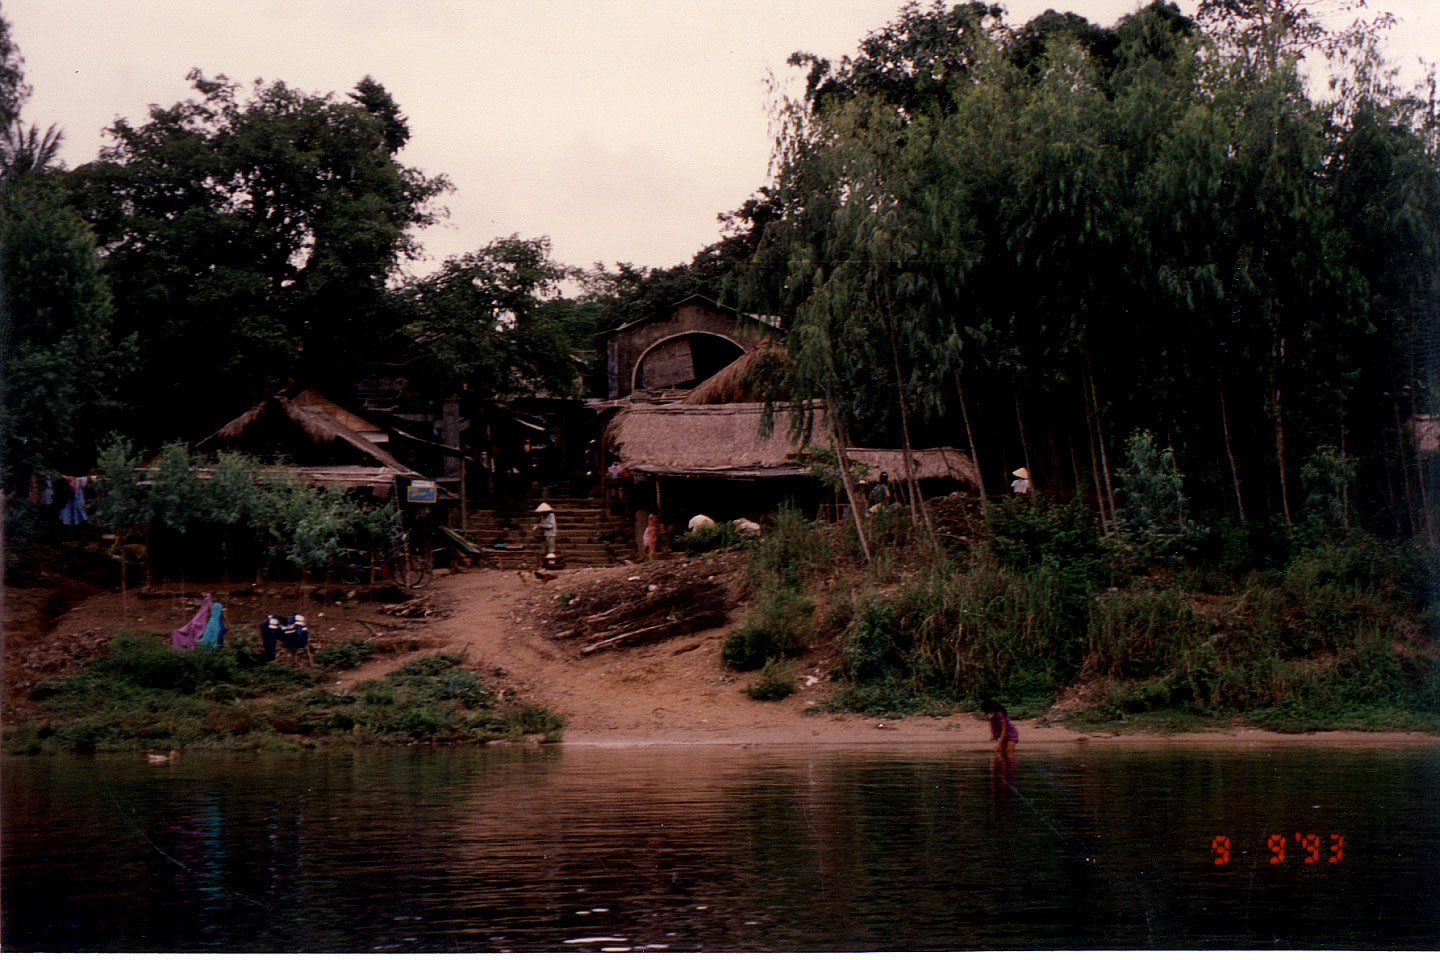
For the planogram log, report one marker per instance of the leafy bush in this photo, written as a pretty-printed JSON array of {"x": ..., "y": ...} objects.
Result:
[
  {"x": 346, "y": 655},
  {"x": 781, "y": 622},
  {"x": 873, "y": 648},
  {"x": 1025, "y": 535},
  {"x": 781, "y": 625},
  {"x": 705, "y": 539},
  {"x": 777, "y": 681},
  {"x": 1151, "y": 525}
]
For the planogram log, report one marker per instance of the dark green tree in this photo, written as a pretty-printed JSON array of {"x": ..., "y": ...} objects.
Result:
[
  {"x": 64, "y": 365},
  {"x": 489, "y": 323},
  {"x": 249, "y": 242}
]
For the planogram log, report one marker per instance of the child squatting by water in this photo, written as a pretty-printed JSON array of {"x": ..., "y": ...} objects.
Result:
[{"x": 1002, "y": 731}]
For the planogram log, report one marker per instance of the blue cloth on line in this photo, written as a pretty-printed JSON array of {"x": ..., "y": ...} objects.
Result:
[{"x": 215, "y": 628}]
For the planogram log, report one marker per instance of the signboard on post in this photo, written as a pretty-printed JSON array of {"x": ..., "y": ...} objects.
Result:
[{"x": 420, "y": 491}]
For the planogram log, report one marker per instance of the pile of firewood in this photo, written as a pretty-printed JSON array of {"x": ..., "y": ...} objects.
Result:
[
  {"x": 415, "y": 607},
  {"x": 633, "y": 612}
]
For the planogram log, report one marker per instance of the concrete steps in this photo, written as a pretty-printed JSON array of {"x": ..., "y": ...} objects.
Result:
[{"x": 587, "y": 535}]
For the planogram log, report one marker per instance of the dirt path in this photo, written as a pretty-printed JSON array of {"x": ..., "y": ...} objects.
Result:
[{"x": 678, "y": 691}]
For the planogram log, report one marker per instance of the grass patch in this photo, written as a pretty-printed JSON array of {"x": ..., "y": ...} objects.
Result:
[
  {"x": 346, "y": 655},
  {"x": 143, "y": 695}
]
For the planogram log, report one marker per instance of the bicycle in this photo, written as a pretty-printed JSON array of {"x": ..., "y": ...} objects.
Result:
[{"x": 399, "y": 565}]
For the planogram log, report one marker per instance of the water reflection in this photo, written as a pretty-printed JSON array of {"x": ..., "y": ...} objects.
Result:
[{"x": 718, "y": 849}]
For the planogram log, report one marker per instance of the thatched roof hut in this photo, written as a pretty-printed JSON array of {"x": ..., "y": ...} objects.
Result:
[
  {"x": 738, "y": 382},
  {"x": 720, "y": 440},
  {"x": 929, "y": 463},
  {"x": 314, "y": 443},
  {"x": 723, "y": 440}
]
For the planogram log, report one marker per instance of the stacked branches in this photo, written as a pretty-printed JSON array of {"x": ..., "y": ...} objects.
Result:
[{"x": 643, "y": 610}]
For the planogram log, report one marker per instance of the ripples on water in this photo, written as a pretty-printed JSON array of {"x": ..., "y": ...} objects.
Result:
[{"x": 708, "y": 848}]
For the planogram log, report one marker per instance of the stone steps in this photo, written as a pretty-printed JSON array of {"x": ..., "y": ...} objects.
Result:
[{"x": 587, "y": 535}]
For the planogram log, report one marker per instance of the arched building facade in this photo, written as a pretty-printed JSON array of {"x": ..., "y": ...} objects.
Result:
[{"x": 677, "y": 349}]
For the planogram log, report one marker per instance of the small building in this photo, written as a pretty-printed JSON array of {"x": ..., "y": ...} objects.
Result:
[
  {"x": 311, "y": 440},
  {"x": 713, "y": 458},
  {"x": 679, "y": 348}
]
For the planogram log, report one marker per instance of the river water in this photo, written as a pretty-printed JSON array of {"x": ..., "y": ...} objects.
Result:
[{"x": 723, "y": 849}]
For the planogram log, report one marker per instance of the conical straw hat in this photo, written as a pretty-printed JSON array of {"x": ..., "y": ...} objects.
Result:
[
  {"x": 544, "y": 508},
  {"x": 1023, "y": 474}
]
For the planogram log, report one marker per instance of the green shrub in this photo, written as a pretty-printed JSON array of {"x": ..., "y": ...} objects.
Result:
[
  {"x": 1151, "y": 524},
  {"x": 873, "y": 648},
  {"x": 891, "y": 697},
  {"x": 781, "y": 625},
  {"x": 705, "y": 539},
  {"x": 777, "y": 681},
  {"x": 346, "y": 655},
  {"x": 1024, "y": 535},
  {"x": 1134, "y": 635}
]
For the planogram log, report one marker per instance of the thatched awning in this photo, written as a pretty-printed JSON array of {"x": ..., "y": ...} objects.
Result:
[
  {"x": 313, "y": 399},
  {"x": 721, "y": 440},
  {"x": 314, "y": 426},
  {"x": 929, "y": 463},
  {"x": 736, "y": 382}
]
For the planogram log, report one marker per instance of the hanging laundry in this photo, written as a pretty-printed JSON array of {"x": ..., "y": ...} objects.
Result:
[
  {"x": 291, "y": 631},
  {"x": 73, "y": 513},
  {"x": 215, "y": 628},
  {"x": 185, "y": 637}
]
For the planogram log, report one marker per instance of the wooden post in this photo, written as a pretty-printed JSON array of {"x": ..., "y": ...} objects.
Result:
[{"x": 450, "y": 434}]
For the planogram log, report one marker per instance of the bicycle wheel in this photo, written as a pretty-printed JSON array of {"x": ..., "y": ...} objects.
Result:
[
  {"x": 410, "y": 571},
  {"x": 353, "y": 566}
]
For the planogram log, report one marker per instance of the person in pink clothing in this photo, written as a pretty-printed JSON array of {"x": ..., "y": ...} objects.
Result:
[{"x": 1002, "y": 731}]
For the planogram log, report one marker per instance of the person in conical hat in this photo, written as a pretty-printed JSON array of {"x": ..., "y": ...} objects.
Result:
[
  {"x": 546, "y": 526},
  {"x": 1021, "y": 483}
]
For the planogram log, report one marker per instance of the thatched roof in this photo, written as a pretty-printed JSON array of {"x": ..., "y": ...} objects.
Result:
[
  {"x": 716, "y": 440},
  {"x": 736, "y": 382},
  {"x": 930, "y": 463},
  {"x": 313, "y": 399},
  {"x": 723, "y": 440},
  {"x": 312, "y": 424}
]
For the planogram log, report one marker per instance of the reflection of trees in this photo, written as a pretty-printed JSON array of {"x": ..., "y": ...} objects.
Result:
[{"x": 713, "y": 847}]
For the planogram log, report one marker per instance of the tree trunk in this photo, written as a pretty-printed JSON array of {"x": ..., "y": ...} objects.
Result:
[
  {"x": 1278, "y": 355},
  {"x": 970, "y": 436},
  {"x": 1427, "y": 516},
  {"x": 1090, "y": 429},
  {"x": 918, "y": 513},
  {"x": 1100, "y": 434},
  {"x": 1229, "y": 449},
  {"x": 841, "y": 448},
  {"x": 1403, "y": 449}
]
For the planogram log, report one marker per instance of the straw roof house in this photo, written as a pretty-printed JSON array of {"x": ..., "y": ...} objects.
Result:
[
  {"x": 723, "y": 440},
  {"x": 719, "y": 440},
  {"x": 929, "y": 463},
  {"x": 311, "y": 441}
]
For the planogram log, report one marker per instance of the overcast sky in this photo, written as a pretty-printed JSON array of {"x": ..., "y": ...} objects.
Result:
[{"x": 618, "y": 128}]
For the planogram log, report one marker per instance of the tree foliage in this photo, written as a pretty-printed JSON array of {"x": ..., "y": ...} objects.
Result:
[
  {"x": 489, "y": 323},
  {"x": 1035, "y": 240},
  {"x": 250, "y": 241}
]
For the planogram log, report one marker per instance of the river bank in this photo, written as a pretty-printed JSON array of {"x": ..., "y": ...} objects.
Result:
[{"x": 494, "y": 631}]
